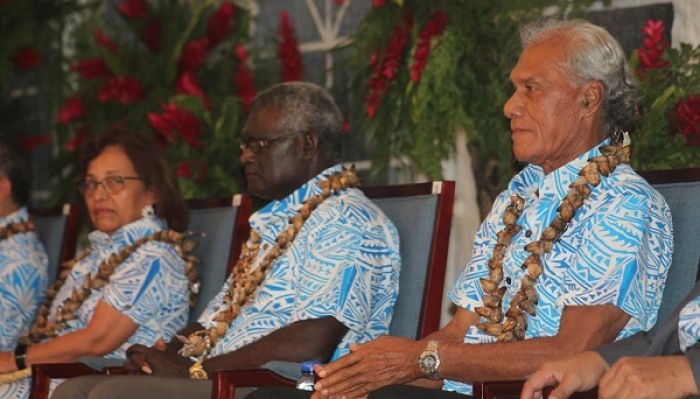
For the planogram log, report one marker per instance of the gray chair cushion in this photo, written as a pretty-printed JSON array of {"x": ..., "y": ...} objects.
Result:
[
  {"x": 684, "y": 201},
  {"x": 414, "y": 218},
  {"x": 51, "y": 229},
  {"x": 213, "y": 251}
]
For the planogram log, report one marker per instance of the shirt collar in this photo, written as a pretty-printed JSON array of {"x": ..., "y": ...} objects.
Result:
[
  {"x": 18, "y": 216},
  {"x": 533, "y": 181},
  {"x": 129, "y": 233},
  {"x": 282, "y": 210}
]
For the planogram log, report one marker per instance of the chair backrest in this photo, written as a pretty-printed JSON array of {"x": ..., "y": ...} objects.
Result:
[
  {"x": 224, "y": 223},
  {"x": 681, "y": 189},
  {"x": 58, "y": 231},
  {"x": 422, "y": 214}
]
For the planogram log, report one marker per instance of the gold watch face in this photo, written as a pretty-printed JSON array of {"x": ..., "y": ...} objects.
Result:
[{"x": 429, "y": 362}]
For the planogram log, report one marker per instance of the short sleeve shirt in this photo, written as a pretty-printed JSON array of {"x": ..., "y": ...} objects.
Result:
[
  {"x": 616, "y": 250},
  {"x": 689, "y": 324},
  {"x": 23, "y": 280},
  {"x": 343, "y": 263},
  {"x": 149, "y": 287}
]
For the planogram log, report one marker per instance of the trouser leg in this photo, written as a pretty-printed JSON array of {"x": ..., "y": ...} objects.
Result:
[
  {"x": 409, "y": 391},
  {"x": 279, "y": 393},
  {"x": 133, "y": 387}
]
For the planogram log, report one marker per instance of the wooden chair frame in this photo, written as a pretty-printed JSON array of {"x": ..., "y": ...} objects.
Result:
[
  {"x": 43, "y": 373},
  {"x": 225, "y": 382},
  {"x": 511, "y": 389}
]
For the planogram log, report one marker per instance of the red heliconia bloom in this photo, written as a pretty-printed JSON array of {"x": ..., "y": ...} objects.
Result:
[
  {"x": 76, "y": 140},
  {"x": 385, "y": 68},
  {"x": 193, "y": 55},
  {"x": 71, "y": 110},
  {"x": 32, "y": 142},
  {"x": 220, "y": 24},
  {"x": 187, "y": 83},
  {"x": 288, "y": 50},
  {"x": 244, "y": 78},
  {"x": 135, "y": 9},
  {"x": 346, "y": 127},
  {"x": 105, "y": 41},
  {"x": 176, "y": 121},
  {"x": 433, "y": 28},
  {"x": 686, "y": 119},
  {"x": 91, "y": 68},
  {"x": 26, "y": 58},
  {"x": 151, "y": 34},
  {"x": 184, "y": 169},
  {"x": 377, "y": 3},
  {"x": 651, "y": 53},
  {"x": 124, "y": 90}
]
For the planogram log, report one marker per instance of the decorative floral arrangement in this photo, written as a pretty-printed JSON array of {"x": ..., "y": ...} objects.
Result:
[
  {"x": 668, "y": 135},
  {"x": 177, "y": 71}
]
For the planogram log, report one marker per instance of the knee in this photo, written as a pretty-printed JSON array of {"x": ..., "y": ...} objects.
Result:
[{"x": 75, "y": 388}]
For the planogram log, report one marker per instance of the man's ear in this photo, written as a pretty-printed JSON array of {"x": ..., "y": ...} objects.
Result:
[
  {"x": 592, "y": 97},
  {"x": 309, "y": 146}
]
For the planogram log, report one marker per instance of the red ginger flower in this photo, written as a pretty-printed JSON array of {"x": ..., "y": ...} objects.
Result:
[
  {"x": 434, "y": 27},
  {"x": 687, "y": 119},
  {"x": 220, "y": 24},
  {"x": 650, "y": 54},
  {"x": 193, "y": 55},
  {"x": 105, "y": 41},
  {"x": 151, "y": 34},
  {"x": 177, "y": 121},
  {"x": 124, "y": 90},
  {"x": 71, "y": 110},
  {"x": 185, "y": 170},
  {"x": 32, "y": 142},
  {"x": 288, "y": 50},
  {"x": 377, "y": 3},
  {"x": 26, "y": 58},
  {"x": 385, "y": 68},
  {"x": 76, "y": 140},
  {"x": 244, "y": 78},
  {"x": 91, "y": 68},
  {"x": 135, "y": 9},
  {"x": 187, "y": 84}
]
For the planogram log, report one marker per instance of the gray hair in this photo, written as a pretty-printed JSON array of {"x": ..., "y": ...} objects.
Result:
[
  {"x": 306, "y": 107},
  {"x": 593, "y": 54}
]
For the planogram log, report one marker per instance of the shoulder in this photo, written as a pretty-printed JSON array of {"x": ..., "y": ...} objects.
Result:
[
  {"x": 352, "y": 206},
  {"x": 626, "y": 184}
]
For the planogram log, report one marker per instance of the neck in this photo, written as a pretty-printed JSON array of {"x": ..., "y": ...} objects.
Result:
[
  {"x": 7, "y": 207},
  {"x": 571, "y": 150}
]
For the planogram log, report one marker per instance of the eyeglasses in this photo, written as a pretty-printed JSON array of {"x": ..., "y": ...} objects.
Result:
[
  {"x": 257, "y": 145},
  {"x": 112, "y": 184}
]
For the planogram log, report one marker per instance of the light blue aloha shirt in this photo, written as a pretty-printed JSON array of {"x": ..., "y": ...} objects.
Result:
[
  {"x": 23, "y": 281},
  {"x": 149, "y": 287},
  {"x": 689, "y": 324},
  {"x": 343, "y": 263},
  {"x": 616, "y": 250}
]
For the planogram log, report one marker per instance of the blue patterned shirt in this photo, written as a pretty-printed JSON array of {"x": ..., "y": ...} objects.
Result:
[
  {"x": 689, "y": 324},
  {"x": 344, "y": 263},
  {"x": 23, "y": 280},
  {"x": 616, "y": 250}
]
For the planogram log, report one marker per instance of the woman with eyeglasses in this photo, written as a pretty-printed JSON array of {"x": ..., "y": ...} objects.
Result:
[{"x": 132, "y": 286}]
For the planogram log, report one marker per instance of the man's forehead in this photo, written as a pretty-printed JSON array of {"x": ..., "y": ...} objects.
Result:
[{"x": 538, "y": 61}]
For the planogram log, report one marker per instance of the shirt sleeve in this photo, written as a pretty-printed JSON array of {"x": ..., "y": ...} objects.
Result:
[
  {"x": 466, "y": 291},
  {"x": 149, "y": 283},
  {"x": 351, "y": 270},
  {"x": 22, "y": 288},
  {"x": 622, "y": 260}
]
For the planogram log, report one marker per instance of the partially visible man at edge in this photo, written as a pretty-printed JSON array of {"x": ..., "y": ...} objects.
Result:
[
  {"x": 23, "y": 260},
  {"x": 573, "y": 254},
  {"x": 332, "y": 283}
]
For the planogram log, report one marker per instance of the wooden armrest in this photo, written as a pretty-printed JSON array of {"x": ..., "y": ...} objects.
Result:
[
  {"x": 42, "y": 374},
  {"x": 226, "y": 381},
  {"x": 511, "y": 390}
]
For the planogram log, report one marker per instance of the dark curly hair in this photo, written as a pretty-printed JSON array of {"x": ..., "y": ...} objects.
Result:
[{"x": 16, "y": 165}]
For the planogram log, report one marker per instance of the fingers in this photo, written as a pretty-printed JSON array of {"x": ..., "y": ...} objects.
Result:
[
  {"x": 324, "y": 371},
  {"x": 340, "y": 381},
  {"x": 160, "y": 345},
  {"x": 564, "y": 390},
  {"x": 146, "y": 368}
]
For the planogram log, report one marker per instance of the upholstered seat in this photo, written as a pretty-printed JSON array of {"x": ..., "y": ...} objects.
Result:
[{"x": 58, "y": 231}]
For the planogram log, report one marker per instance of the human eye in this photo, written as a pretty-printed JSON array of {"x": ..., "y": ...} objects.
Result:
[
  {"x": 114, "y": 182},
  {"x": 89, "y": 184}
]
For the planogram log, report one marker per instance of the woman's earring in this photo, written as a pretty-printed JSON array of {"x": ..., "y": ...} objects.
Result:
[{"x": 148, "y": 211}]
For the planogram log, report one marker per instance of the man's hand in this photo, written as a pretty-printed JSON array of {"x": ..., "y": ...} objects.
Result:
[
  {"x": 578, "y": 373},
  {"x": 649, "y": 377},
  {"x": 384, "y": 361},
  {"x": 156, "y": 361}
]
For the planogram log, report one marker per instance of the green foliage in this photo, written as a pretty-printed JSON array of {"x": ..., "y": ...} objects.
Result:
[
  {"x": 206, "y": 168},
  {"x": 656, "y": 144}
]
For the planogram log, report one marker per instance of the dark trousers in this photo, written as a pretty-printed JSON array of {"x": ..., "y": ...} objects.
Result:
[{"x": 388, "y": 392}]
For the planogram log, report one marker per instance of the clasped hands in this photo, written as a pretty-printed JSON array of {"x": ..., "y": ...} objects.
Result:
[
  {"x": 161, "y": 360},
  {"x": 384, "y": 361}
]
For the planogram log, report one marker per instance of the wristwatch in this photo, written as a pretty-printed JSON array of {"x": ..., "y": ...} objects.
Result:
[{"x": 429, "y": 360}]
